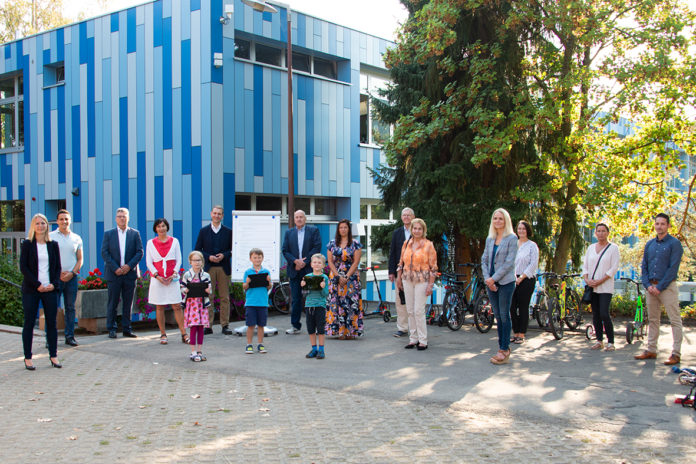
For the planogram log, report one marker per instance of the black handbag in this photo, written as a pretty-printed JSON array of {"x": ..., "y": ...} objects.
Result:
[{"x": 587, "y": 294}]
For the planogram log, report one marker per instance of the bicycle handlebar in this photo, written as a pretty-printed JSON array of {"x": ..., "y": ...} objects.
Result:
[{"x": 469, "y": 264}]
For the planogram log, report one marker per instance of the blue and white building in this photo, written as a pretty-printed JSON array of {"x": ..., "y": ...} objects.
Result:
[{"x": 173, "y": 106}]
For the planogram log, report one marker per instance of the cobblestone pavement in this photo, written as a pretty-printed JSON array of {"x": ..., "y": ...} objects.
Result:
[{"x": 114, "y": 401}]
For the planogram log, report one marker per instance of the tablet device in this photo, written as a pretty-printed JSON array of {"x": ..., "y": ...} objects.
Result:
[
  {"x": 258, "y": 280},
  {"x": 197, "y": 289},
  {"x": 312, "y": 282}
]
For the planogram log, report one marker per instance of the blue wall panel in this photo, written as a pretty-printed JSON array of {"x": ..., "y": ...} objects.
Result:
[
  {"x": 167, "y": 80},
  {"x": 123, "y": 156},
  {"x": 258, "y": 121}
]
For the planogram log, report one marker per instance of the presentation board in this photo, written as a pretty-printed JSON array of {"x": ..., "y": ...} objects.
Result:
[{"x": 255, "y": 229}]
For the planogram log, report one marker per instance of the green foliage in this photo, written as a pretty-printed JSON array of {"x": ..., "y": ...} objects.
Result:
[
  {"x": 623, "y": 305},
  {"x": 21, "y": 18},
  {"x": 11, "y": 312}
]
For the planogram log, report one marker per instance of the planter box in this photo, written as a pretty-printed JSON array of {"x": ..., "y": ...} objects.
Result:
[
  {"x": 90, "y": 309},
  {"x": 60, "y": 320}
]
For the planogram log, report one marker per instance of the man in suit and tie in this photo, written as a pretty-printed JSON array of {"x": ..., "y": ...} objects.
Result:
[
  {"x": 399, "y": 236},
  {"x": 215, "y": 242},
  {"x": 299, "y": 244},
  {"x": 122, "y": 250}
]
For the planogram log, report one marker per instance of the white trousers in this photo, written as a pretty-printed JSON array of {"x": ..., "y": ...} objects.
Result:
[{"x": 415, "y": 307}]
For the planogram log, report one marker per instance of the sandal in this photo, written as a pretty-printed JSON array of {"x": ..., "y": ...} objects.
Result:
[
  {"x": 519, "y": 340},
  {"x": 203, "y": 358},
  {"x": 610, "y": 347},
  {"x": 503, "y": 357},
  {"x": 163, "y": 339},
  {"x": 195, "y": 357},
  {"x": 597, "y": 346},
  {"x": 513, "y": 339},
  {"x": 185, "y": 338}
]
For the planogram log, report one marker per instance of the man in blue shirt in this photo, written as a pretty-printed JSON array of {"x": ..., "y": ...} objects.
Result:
[{"x": 660, "y": 266}]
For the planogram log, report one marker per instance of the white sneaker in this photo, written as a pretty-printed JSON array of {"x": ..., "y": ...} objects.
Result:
[{"x": 293, "y": 331}]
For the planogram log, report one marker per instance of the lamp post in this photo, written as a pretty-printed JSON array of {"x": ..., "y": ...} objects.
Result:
[{"x": 262, "y": 6}]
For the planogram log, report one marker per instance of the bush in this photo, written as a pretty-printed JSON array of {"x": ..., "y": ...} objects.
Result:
[{"x": 11, "y": 312}]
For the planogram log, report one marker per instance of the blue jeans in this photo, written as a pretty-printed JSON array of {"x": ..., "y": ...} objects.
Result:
[
  {"x": 122, "y": 288},
  {"x": 69, "y": 292},
  {"x": 500, "y": 302},
  {"x": 30, "y": 302},
  {"x": 297, "y": 302}
]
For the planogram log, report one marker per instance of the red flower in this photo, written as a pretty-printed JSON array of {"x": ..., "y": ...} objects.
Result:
[
  {"x": 97, "y": 271},
  {"x": 91, "y": 274}
]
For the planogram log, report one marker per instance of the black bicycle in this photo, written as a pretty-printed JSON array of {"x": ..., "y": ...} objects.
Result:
[{"x": 462, "y": 298}]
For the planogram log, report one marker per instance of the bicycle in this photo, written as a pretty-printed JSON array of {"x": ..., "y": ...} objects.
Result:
[
  {"x": 280, "y": 297},
  {"x": 456, "y": 303},
  {"x": 540, "y": 308},
  {"x": 382, "y": 306},
  {"x": 433, "y": 312},
  {"x": 636, "y": 328},
  {"x": 564, "y": 306}
]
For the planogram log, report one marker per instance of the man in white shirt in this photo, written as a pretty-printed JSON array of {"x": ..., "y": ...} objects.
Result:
[{"x": 70, "y": 245}]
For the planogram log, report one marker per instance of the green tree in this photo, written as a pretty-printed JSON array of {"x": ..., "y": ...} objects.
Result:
[
  {"x": 20, "y": 18},
  {"x": 516, "y": 104},
  {"x": 463, "y": 142}
]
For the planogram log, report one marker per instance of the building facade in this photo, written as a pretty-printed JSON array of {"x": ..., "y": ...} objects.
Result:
[{"x": 173, "y": 106}]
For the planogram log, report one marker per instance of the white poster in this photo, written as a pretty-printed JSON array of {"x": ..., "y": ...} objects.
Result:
[{"x": 255, "y": 229}]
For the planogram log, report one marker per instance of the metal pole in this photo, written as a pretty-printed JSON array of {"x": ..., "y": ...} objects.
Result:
[{"x": 291, "y": 161}]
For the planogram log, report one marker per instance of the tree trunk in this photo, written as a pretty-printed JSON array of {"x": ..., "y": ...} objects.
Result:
[{"x": 568, "y": 229}]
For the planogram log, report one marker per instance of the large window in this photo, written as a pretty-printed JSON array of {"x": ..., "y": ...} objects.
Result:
[
  {"x": 12, "y": 216},
  {"x": 11, "y": 114},
  {"x": 371, "y": 215},
  {"x": 372, "y": 130},
  {"x": 322, "y": 209}
]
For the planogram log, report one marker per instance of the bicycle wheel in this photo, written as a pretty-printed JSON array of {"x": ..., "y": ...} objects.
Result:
[
  {"x": 429, "y": 313},
  {"x": 555, "y": 321},
  {"x": 589, "y": 332},
  {"x": 450, "y": 310},
  {"x": 573, "y": 315},
  {"x": 630, "y": 332},
  {"x": 281, "y": 298},
  {"x": 542, "y": 313},
  {"x": 386, "y": 314},
  {"x": 483, "y": 314}
]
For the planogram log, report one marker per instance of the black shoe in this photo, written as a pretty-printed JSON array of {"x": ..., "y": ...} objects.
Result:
[
  {"x": 225, "y": 330},
  {"x": 422, "y": 347},
  {"x": 411, "y": 346},
  {"x": 28, "y": 367},
  {"x": 112, "y": 334},
  {"x": 56, "y": 365},
  {"x": 208, "y": 331},
  {"x": 129, "y": 335},
  {"x": 71, "y": 341}
]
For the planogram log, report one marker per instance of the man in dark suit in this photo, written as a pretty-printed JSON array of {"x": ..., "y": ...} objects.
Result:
[
  {"x": 122, "y": 250},
  {"x": 299, "y": 244},
  {"x": 215, "y": 242},
  {"x": 399, "y": 236}
]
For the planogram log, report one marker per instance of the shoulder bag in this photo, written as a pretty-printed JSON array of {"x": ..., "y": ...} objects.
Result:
[{"x": 587, "y": 294}]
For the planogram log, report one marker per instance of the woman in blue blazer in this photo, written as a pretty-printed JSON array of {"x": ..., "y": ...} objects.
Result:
[
  {"x": 39, "y": 262},
  {"x": 498, "y": 266}
]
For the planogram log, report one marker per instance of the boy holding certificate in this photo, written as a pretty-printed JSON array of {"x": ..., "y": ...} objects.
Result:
[
  {"x": 315, "y": 305},
  {"x": 257, "y": 282}
]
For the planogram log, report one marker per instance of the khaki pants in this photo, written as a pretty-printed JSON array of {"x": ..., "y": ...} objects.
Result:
[
  {"x": 221, "y": 282},
  {"x": 415, "y": 307},
  {"x": 401, "y": 314},
  {"x": 669, "y": 298}
]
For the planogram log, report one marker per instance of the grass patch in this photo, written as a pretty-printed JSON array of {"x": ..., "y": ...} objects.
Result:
[{"x": 104, "y": 442}]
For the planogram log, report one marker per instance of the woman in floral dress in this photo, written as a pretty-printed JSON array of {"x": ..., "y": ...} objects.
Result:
[{"x": 344, "y": 313}]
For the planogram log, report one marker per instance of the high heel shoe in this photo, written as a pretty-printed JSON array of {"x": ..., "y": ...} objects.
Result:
[
  {"x": 28, "y": 367},
  {"x": 56, "y": 364}
]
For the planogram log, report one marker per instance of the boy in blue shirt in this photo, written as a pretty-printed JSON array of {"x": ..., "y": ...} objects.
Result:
[
  {"x": 256, "y": 303},
  {"x": 315, "y": 307}
]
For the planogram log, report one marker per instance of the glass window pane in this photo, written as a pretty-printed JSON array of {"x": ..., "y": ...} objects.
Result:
[
  {"x": 380, "y": 131},
  {"x": 364, "y": 123},
  {"x": 242, "y": 49},
  {"x": 379, "y": 212},
  {"x": 301, "y": 62},
  {"x": 60, "y": 74},
  {"x": 242, "y": 202},
  {"x": 325, "y": 206},
  {"x": 303, "y": 204},
  {"x": 20, "y": 121},
  {"x": 7, "y": 88},
  {"x": 12, "y": 216},
  {"x": 325, "y": 68},
  {"x": 363, "y": 211},
  {"x": 7, "y": 128},
  {"x": 268, "y": 55},
  {"x": 20, "y": 85},
  {"x": 268, "y": 203}
]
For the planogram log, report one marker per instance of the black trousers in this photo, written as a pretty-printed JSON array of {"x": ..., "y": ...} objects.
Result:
[
  {"x": 600, "y": 316},
  {"x": 123, "y": 289},
  {"x": 30, "y": 303},
  {"x": 519, "y": 310}
]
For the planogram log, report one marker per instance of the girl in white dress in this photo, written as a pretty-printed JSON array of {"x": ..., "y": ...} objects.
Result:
[{"x": 163, "y": 256}]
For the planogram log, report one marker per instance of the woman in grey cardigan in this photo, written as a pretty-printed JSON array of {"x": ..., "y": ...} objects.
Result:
[{"x": 498, "y": 266}]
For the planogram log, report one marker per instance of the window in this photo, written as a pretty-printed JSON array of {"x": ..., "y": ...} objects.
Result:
[
  {"x": 54, "y": 74},
  {"x": 325, "y": 207},
  {"x": 12, "y": 216},
  {"x": 372, "y": 215},
  {"x": 11, "y": 114},
  {"x": 242, "y": 49},
  {"x": 372, "y": 130},
  {"x": 301, "y": 62},
  {"x": 268, "y": 55},
  {"x": 242, "y": 202},
  {"x": 268, "y": 203},
  {"x": 304, "y": 204},
  {"x": 325, "y": 68}
]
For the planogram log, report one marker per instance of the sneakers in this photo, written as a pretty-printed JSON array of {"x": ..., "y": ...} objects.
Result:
[
  {"x": 226, "y": 330},
  {"x": 202, "y": 356},
  {"x": 261, "y": 348},
  {"x": 249, "y": 349},
  {"x": 208, "y": 331},
  {"x": 400, "y": 333},
  {"x": 293, "y": 331},
  {"x": 312, "y": 354},
  {"x": 610, "y": 347},
  {"x": 195, "y": 357},
  {"x": 320, "y": 354}
]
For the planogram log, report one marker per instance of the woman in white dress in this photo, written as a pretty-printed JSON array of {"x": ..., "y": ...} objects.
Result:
[{"x": 163, "y": 256}]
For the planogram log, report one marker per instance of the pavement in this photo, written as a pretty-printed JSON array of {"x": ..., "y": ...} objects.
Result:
[{"x": 133, "y": 400}]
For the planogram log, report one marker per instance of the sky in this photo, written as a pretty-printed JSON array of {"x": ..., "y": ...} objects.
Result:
[{"x": 376, "y": 17}]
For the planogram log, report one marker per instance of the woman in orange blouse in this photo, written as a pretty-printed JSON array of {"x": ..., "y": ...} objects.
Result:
[{"x": 415, "y": 276}]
